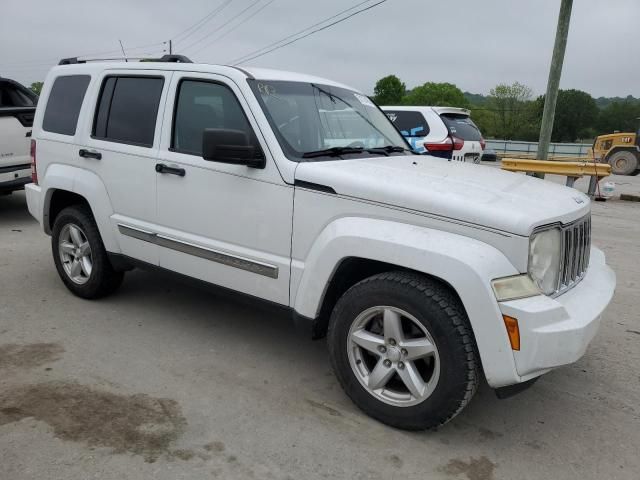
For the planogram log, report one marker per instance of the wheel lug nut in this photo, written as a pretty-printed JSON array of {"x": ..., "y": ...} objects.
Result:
[
  {"x": 392, "y": 341},
  {"x": 387, "y": 363},
  {"x": 400, "y": 365},
  {"x": 382, "y": 349},
  {"x": 404, "y": 351}
]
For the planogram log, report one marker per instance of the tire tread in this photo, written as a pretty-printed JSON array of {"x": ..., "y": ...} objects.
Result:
[
  {"x": 447, "y": 301},
  {"x": 110, "y": 279}
]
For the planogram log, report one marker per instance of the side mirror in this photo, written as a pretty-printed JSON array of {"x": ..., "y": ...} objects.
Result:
[{"x": 231, "y": 146}]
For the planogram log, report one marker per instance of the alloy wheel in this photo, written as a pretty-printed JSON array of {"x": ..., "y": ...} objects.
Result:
[
  {"x": 393, "y": 356},
  {"x": 75, "y": 253}
]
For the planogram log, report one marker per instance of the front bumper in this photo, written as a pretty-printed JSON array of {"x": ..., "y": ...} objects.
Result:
[{"x": 557, "y": 331}]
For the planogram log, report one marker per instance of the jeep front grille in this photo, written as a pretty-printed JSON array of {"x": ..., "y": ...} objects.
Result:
[{"x": 576, "y": 247}]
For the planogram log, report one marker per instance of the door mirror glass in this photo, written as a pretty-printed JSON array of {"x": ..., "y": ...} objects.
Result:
[{"x": 230, "y": 146}]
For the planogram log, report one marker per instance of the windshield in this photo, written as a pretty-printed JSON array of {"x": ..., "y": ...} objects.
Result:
[{"x": 310, "y": 118}]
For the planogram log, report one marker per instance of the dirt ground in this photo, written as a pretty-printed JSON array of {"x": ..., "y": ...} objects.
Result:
[{"x": 166, "y": 381}]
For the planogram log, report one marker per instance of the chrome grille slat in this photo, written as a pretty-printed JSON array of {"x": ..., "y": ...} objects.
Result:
[
  {"x": 575, "y": 251},
  {"x": 565, "y": 258}
]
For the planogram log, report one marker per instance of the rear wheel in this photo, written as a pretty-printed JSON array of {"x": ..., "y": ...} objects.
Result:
[
  {"x": 402, "y": 349},
  {"x": 80, "y": 256},
  {"x": 623, "y": 162}
]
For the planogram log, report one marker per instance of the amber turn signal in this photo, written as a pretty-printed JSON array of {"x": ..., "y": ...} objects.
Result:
[{"x": 513, "y": 331}]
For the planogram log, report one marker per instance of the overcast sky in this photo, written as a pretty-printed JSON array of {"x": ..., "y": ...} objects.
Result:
[{"x": 474, "y": 44}]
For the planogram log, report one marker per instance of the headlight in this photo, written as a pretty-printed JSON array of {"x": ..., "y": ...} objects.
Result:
[{"x": 544, "y": 259}]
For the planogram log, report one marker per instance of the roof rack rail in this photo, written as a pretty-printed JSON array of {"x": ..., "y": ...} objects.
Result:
[
  {"x": 164, "y": 58},
  {"x": 173, "y": 59},
  {"x": 70, "y": 61}
]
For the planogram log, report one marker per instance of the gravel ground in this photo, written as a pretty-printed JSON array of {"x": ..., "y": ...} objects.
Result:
[{"x": 167, "y": 381}]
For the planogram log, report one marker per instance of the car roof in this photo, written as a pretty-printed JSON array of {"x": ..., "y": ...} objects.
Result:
[
  {"x": 233, "y": 72},
  {"x": 438, "y": 110}
]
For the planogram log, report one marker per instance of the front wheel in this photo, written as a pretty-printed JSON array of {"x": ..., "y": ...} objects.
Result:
[
  {"x": 402, "y": 349},
  {"x": 80, "y": 256}
]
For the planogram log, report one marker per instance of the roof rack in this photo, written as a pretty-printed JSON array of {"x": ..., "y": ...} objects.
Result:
[{"x": 164, "y": 58}]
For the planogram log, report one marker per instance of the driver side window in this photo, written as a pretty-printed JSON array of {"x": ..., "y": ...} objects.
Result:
[{"x": 200, "y": 105}]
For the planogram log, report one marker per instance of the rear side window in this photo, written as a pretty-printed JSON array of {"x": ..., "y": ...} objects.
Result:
[
  {"x": 128, "y": 109},
  {"x": 461, "y": 126},
  {"x": 13, "y": 95},
  {"x": 63, "y": 106},
  {"x": 202, "y": 105},
  {"x": 410, "y": 124}
]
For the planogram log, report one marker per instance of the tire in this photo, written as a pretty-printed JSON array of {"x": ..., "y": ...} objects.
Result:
[
  {"x": 86, "y": 272},
  {"x": 428, "y": 312},
  {"x": 623, "y": 162}
]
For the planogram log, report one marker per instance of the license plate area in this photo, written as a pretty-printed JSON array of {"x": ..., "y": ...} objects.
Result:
[{"x": 472, "y": 157}]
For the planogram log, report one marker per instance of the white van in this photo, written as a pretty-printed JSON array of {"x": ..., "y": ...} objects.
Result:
[{"x": 446, "y": 132}]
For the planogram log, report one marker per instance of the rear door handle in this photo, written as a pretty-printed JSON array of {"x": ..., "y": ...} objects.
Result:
[
  {"x": 162, "y": 168},
  {"x": 90, "y": 154}
]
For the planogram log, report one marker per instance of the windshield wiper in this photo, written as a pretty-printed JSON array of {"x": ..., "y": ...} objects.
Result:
[
  {"x": 332, "y": 152},
  {"x": 387, "y": 149},
  {"x": 337, "y": 151}
]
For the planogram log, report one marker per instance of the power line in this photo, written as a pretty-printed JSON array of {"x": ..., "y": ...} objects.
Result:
[
  {"x": 109, "y": 52},
  {"x": 219, "y": 37},
  {"x": 242, "y": 58},
  {"x": 221, "y": 26},
  {"x": 49, "y": 61},
  {"x": 44, "y": 67},
  {"x": 200, "y": 23},
  {"x": 316, "y": 31},
  {"x": 192, "y": 29}
]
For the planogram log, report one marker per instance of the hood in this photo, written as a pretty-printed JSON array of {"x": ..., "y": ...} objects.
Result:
[{"x": 478, "y": 194}]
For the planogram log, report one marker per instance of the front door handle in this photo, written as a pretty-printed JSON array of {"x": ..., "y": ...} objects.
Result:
[
  {"x": 90, "y": 154},
  {"x": 162, "y": 168}
]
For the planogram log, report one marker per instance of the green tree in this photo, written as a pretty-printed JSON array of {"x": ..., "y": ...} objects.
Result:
[
  {"x": 575, "y": 118},
  {"x": 485, "y": 119},
  {"x": 36, "y": 87},
  {"x": 509, "y": 104},
  {"x": 436, "y": 94},
  {"x": 621, "y": 116},
  {"x": 389, "y": 90}
]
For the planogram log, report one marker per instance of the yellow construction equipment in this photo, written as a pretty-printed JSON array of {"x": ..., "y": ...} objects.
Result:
[
  {"x": 572, "y": 170},
  {"x": 620, "y": 150}
]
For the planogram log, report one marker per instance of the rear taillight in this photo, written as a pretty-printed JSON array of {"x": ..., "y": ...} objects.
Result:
[
  {"x": 449, "y": 144},
  {"x": 445, "y": 145},
  {"x": 34, "y": 168},
  {"x": 458, "y": 143},
  {"x": 482, "y": 143}
]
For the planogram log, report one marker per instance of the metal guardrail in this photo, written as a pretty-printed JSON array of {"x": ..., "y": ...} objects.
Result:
[
  {"x": 530, "y": 148},
  {"x": 572, "y": 170}
]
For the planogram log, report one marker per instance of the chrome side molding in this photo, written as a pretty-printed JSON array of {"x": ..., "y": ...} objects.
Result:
[{"x": 216, "y": 256}]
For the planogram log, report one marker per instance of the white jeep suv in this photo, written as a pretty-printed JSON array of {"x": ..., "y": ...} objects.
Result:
[{"x": 425, "y": 275}]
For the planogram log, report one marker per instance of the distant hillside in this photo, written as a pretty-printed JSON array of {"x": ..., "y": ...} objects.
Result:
[
  {"x": 475, "y": 98},
  {"x": 602, "y": 102}
]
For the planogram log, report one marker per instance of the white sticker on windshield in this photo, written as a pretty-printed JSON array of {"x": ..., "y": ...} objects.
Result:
[{"x": 364, "y": 100}]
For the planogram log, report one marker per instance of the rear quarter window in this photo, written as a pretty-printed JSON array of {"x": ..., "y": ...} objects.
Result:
[
  {"x": 461, "y": 126},
  {"x": 128, "y": 109},
  {"x": 63, "y": 106},
  {"x": 410, "y": 124}
]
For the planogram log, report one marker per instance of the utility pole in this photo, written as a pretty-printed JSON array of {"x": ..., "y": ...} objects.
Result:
[
  {"x": 554, "y": 80},
  {"x": 170, "y": 47}
]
